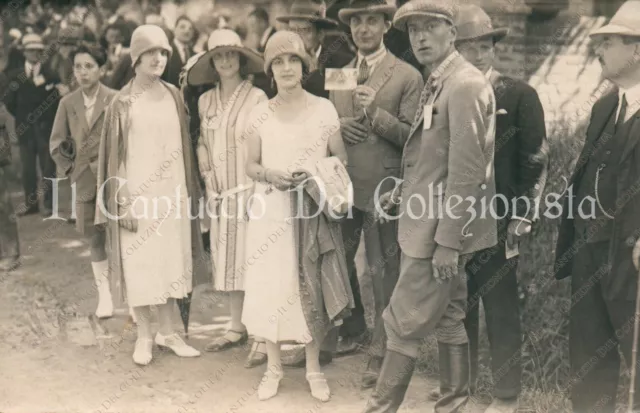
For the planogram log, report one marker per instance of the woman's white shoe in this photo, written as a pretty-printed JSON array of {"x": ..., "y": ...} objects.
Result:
[
  {"x": 143, "y": 352},
  {"x": 175, "y": 343},
  {"x": 269, "y": 385}
]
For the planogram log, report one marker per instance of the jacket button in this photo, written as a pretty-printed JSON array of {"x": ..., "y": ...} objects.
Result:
[
  {"x": 603, "y": 165},
  {"x": 608, "y": 152},
  {"x": 483, "y": 186},
  {"x": 630, "y": 241}
]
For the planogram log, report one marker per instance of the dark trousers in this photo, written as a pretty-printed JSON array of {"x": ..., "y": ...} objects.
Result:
[
  {"x": 598, "y": 325},
  {"x": 35, "y": 148},
  {"x": 492, "y": 279},
  {"x": 382, "y": 269},
  {"x": 9, "y": 245}
]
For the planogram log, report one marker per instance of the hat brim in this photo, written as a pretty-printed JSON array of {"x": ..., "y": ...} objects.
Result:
[
  {"x": 400, "y": 22},
  {"x": 615, "y": 29},
  {"x": 388, "y": 10},
  {"x": 496, "y": 35},
  {"x": 203, "y": 74},
  {"x": 35, "y": 46},
  {"x": 322, "y": 23}
]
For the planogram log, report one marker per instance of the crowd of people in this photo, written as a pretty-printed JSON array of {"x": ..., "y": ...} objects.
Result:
[{"x": 135, "y": 114}]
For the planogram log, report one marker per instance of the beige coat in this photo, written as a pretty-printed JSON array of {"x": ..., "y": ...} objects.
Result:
[
  {"x": 453, "y": 157},
  {"x": 113, "y": 144}
]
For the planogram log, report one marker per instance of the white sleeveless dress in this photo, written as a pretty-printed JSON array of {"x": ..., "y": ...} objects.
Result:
[{"x": 272, "y": 306}]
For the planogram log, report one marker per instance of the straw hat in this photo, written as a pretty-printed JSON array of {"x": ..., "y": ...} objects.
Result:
[
  {"x": 285, "y": 42},
  {"x": 442, "y": 9},
  {"x": 626, "y": 21},
  {"x": 201, "y": 72},
  {"x": 32, "y": 41},
  {"x": 313, "y": 11},
  {"x": 474, "y": 23},
  {"x": 366, "y": 6}
]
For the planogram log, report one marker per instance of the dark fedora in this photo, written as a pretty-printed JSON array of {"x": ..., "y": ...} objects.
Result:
[
  {"x": 366, "y": 6},
  {"x": 474, "y": 23},
  {"x": 313, "y": 11}
]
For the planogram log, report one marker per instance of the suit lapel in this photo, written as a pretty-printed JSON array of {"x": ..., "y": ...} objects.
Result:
[
  {"x": 78, "y": 107},
  {"x": 382, "y": 73},
  {"x": 99, "y": 106},
  {"x": 598, "y": 123},
  {"x": 633, "y": 137}
]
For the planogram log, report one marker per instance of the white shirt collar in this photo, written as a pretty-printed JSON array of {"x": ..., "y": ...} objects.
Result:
[
  {"x": 90, "y": 101},
  {"x": 374, "y": 58},
  {"x": 32, "y": 67},
  {"x": 318, "y": 52},
  {"x": 265, "y": 36},
  {"x": 489, "y": 73},
  {"x": 438, "y": 71},
  {"x": 633, "y": 101}
]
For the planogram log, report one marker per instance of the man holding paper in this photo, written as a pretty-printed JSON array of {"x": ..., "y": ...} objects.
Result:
[{"x": 376, "y": 110}]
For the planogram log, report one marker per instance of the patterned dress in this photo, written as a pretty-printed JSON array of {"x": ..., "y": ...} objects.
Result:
[{"x": 222, "y": 150}]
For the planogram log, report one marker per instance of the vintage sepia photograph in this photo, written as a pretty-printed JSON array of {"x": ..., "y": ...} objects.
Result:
[{"x": 319, "y": 206}]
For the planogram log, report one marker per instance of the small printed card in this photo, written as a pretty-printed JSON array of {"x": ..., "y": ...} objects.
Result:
[
  {"x": 341, "y": 79},
  {"x": 511, "y": 250}
]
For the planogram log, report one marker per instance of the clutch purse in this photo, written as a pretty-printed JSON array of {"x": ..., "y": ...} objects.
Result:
[{"x": 331, "y": 187}]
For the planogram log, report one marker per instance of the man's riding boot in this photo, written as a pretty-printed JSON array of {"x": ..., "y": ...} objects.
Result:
[
  {"x": 454, "y": 378},
  {"x": 392, "y": 384}
]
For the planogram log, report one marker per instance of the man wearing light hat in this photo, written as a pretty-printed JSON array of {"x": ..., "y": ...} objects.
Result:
[
  {"x": 448, "y": 156},
  {"x": 308, "y": 19},
  {"x": 520, "y": 161},
  {"x": 375, "y": 122},
  {"x": 33, "y": 99},
  {"x": 600, "y": 224}
]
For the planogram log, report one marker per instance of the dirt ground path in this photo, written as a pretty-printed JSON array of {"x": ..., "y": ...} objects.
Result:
[{"x": 54, "y": 357}]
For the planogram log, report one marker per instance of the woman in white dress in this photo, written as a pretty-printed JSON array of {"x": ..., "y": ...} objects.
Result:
[
  {"x": 290, "y": 132},
  {"x": 224, "y": 112},
  {"x": 155, "y": 244}
]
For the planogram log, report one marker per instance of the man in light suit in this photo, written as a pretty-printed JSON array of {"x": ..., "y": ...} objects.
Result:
[
  {"x": 375, "y": 121},
  {"x": 520, "y": 166},
  {"x": 74, "y": 143},
  {"x": 447, "y": 186}
]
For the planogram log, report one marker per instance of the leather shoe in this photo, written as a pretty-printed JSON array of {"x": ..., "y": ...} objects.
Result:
[
  {"x": 349, "y": 345},
  {"x": 370, "y": 376}
]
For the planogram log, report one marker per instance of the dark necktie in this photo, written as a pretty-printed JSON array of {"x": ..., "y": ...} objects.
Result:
[
  {"x": 623, "y": 112},
  {"x": 363, "y": 72}
]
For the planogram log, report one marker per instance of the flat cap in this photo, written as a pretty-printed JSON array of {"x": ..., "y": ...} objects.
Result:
[{"x": 443, "y": 9}]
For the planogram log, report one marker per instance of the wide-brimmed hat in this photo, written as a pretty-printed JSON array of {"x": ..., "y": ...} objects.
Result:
[
  {"x": 285, "y": 42},
  {"x": 626, "y": 21},
  {"x": 366, "y": 6},
  {"x": 202, "y": 72},
  {"x": 32, "y": 41},
  {"x": 441, "y": 9},
  {"x": 472, "y": 23},
  {"x": 313, "y": 11}
]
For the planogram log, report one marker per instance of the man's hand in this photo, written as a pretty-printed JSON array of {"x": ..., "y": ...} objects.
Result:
[
  {"x": 364, "y": 97},
  {"x": 387, "y": 201},
  {"x": 353, "y": 131},
  {"x": 62, "y": 89},
  {"x": 516, "y": 229},
  {"x": 635, "y": 255},
  {"x": 445, "y": 263}
]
